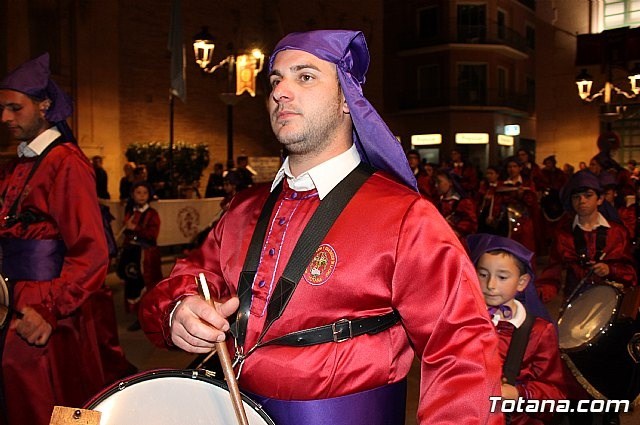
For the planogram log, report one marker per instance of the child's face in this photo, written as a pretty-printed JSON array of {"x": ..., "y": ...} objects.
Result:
[
  {"x": 442, "y": 184},
  {"x": 491, "y": 175},
  {"x": 585, "y": 203},
  {"x": 140, "y": 195},
  {"x": 500, "y": 278},
  {"x": 513, "y": 169}
]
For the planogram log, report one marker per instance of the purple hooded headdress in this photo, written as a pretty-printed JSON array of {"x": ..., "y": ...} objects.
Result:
[
  {"x": 347, "y": 49},
  {"x": 33, "y": 79},
  {"x": 481, "y": 243}
]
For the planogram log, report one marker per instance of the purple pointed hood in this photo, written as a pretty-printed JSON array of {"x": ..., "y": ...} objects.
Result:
[
  {"x": 348, "y": 50},
  {"x": 33, "y": 79}
]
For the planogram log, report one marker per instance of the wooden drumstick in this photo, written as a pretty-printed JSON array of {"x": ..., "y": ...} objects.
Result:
[{"x": 225, "y": 360}]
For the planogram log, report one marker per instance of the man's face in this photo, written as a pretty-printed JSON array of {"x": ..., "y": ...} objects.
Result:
[
  {"x": 523, "y": 156},
  {"x": 414, "y": 160},
  {"x": 306, "y": 107},
  {"x": 23, "y": 116}
]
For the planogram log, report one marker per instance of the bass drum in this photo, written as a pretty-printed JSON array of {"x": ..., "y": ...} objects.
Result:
[
  {"x": 170, "y": 397},
  {"x": 594, "y": 340}
]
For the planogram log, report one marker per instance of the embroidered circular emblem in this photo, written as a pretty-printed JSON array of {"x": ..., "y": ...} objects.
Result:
[
  {"x": 188, "y": 221},
  {"x": 321, "y": 266}
]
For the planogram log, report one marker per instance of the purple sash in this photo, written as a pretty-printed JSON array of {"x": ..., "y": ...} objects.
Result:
[
  {"x": 32, "y": 259},
  {"x": 380, "y": 406}
]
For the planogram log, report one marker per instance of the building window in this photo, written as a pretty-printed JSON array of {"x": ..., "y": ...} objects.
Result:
[
  {"x": 428, "y": 22},
  {"x": 502, "y": 82},
  {"x": 428, "y": 83},
  {"x": 472, "y": 23},
  {"x": 621, "y": 13},
  {"x": 501, "y": 21},
  {"x": 530, "y": 36},
  {"x": 531, "y": 92},
  {"x": 472, "y": 84}
]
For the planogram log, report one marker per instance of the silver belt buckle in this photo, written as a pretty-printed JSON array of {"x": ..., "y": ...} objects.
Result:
[{"x": 335, "y": 331}]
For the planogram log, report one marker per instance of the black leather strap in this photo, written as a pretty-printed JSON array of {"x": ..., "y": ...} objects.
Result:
[
  {"x": 517, "y": 347},
  {"x": 339, "y": 331}
]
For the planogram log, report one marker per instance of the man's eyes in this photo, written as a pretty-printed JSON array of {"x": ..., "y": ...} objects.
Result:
[{"x": 11, "y": 108}]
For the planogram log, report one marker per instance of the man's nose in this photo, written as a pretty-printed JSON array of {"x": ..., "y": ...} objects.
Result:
[{"x": 281, "y": 92}]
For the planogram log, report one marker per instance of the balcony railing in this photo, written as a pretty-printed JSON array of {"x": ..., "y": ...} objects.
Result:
[
  {"x": 468, "y": 34},
  {"x": 463, "y": 98}
]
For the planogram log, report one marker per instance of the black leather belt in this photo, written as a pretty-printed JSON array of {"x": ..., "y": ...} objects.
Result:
[{"x": 338, "y": 331}]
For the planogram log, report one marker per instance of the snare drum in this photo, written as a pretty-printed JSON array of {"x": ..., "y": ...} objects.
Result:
[
  {"x": 593, "y": 338},
  {"x": 169, "y": 397}
]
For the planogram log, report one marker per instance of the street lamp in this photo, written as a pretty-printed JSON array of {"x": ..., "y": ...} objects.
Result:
[
  {"x": 244, "y": 68},
  {"x": 585, "y": 82}
]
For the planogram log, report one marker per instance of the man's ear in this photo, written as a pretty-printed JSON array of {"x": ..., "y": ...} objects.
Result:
[
  {"x": 345, "y": 106},
  {"x": 45, "y": 105}
]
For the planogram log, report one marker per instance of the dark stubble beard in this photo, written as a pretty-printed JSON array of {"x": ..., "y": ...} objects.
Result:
[{"x": 317, "y": 132}]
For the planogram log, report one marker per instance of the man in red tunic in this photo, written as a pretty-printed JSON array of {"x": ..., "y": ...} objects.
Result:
[
  {"x": 54, "y": 254},
  {"x": 389, "y": 253}
]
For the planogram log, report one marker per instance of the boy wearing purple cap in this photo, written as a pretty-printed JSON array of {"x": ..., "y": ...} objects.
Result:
[
  {"x": 54, "y": 255},
  {"x": 505, "y": 271},
  {"x": 590, "y": 247},
  {"x": 317, "y": 334}
]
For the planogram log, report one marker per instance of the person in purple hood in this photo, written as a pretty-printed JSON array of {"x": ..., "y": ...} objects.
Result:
[
  {"x": 338, "y": 274},
  {"x": 54, "y": 256}
]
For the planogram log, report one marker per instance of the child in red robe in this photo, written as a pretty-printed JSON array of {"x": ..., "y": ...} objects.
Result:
[{"x": 505, "y": 271}]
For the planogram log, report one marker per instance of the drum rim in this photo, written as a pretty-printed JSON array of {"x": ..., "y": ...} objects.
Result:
[
  {"x": 193, "y": 374},
  {"x": 5, "y": 300},
  {"x": 600, "y": 333}
]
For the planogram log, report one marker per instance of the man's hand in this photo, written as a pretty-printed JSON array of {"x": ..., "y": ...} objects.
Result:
[
  {"x": 196, "y": 325},
  {"x": 32, "y": 327}
]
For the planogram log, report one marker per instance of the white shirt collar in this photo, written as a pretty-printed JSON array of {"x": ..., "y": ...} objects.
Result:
[
  {"x": 601, "y": 222},
  {"x": 44, "y": 139},
  {"x": 142, "y": 208},
  {"x": 518, "y": 317},
  {"x": 323, "y": 177},
  {"x": 516, "y": 181}
]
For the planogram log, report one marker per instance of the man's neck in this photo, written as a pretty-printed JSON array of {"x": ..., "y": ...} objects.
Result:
[{"x": 299, "y": 164}]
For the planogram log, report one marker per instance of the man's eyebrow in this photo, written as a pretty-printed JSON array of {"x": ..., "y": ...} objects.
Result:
[{"x": 295, "y": 68}]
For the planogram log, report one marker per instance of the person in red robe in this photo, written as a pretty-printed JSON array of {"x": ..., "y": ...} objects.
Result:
[
  {"x": 455, "y": 206},
  {"x": 516, "y": 206},
  {"x": 466, "y": 171},
  {"x": 54, "y": 254},
  {"x": 579, "y": 250},
  {"x": 386, "y": 253},
  {"x": 486, "y": 199},
  {"x": 140, "y": 262}
]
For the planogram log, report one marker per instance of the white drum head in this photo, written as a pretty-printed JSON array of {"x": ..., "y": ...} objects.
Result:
[
  {"x": 172, "y": 398},
  {"x": 587, "y": 317}
]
